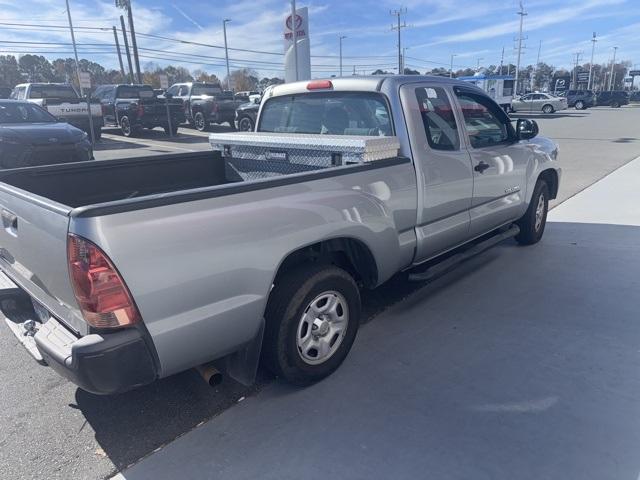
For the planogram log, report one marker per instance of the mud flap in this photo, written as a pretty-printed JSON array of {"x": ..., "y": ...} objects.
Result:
[{"x": 242, "y": 365}]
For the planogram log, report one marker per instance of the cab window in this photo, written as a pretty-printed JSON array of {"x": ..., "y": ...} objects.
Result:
[
  {"x": 438, "y": 118},
  {"x": 485, "y": 122}
]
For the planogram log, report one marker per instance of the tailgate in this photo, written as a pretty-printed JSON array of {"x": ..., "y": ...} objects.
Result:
[{"x": 33, "y": 252}]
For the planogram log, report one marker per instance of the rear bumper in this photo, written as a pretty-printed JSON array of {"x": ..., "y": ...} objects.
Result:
[{"x": 102, "y": 364}]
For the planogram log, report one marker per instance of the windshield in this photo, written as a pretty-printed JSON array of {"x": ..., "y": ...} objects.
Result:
[
  {"x": 53, "y": 91},
  {"x": 24, "y": 113},
  {"x": 334, "y": 113},
  {"x": 132, "y": 91},
  {"x": 206, "y": 90}
]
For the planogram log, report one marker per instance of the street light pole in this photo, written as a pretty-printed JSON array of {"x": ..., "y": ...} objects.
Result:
[
  {"x": 593, "y": 49},
  {"x": 451, "y": 68},
  {"x": 522, "y": 14},
  {"x": 342, "y": 37},
  {"x": 226, "y": 50},
  {"x": 615, "y": 49}
]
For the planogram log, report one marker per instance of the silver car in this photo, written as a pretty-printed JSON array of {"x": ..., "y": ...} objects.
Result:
[{"x": 538, "y": 102}]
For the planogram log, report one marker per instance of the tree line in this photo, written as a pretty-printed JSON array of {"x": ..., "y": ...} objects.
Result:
[{"x": 36, "y": 68}]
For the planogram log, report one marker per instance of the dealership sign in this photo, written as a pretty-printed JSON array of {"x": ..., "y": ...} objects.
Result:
[{"x": 301, "y": 26}]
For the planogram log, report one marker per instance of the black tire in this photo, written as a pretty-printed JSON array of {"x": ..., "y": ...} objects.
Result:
[
  {"x": 245, "y": 124},
  {"x": 200, "y": 122},
  {"x": 530, "y": 231},
  {"x": 548, "y": 108},
  {"x": 615, "y": 104},
  {"x": 580, "y": 105},
  {"x": 291, "y": 297},
  {"x": 125, "y": 126}
]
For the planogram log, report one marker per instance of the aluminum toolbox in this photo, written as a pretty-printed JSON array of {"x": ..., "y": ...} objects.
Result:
[{"x": 251, "y": 155}]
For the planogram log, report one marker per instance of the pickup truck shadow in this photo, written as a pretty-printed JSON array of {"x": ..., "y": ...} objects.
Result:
[{"x": 131, "y": 425}]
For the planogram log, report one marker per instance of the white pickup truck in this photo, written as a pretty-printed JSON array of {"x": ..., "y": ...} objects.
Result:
[
  {"x": 134, "y": 269},
  {"x": 63, "y": 102}
]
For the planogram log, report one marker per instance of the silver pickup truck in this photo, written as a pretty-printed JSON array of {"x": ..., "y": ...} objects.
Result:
[{"x": 125, "y": 271}]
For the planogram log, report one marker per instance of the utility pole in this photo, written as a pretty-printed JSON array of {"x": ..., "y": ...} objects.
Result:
[
  {"x": 535, "y": 71},
  {"x": 342, "y": 37},
  {"x": 115, "y": 37},
  {"x": 399, "y": 27},
  {"x": 226, "y": 51},
  {"x": 294, "y": 36},
  {"x": 522, "y": 14},
  {"x": 404, "y": 54},
  {"x": 575, "y": 70},
  {"x": 126, "y": 48},
  {"x": 615, "y": 49},
  {"x": 501, "y": 61},
  {"x": 451, "y": 69},
  {"x": 593, "y": 49},
  {"x": 126, "y": 4}
]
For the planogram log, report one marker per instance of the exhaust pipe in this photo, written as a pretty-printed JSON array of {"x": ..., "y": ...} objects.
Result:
[{"x": 210, "y": 374}]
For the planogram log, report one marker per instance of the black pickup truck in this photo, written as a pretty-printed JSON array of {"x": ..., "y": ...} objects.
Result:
[
  {"x": 205, "y": 103},
  {"x": 134, "y": 107}
]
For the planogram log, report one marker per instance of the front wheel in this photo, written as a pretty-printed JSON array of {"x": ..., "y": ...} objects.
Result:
[
  {"x": 312, "y": 318},
  {"x": 125, "y": 126},
  {"x": 548, "y": 109},
  {"x": 532, "y": 223},
  {"x": 245, "y": 124},
  {"x": 579, "y": 105},
  {"x": 200, "y": 122}
]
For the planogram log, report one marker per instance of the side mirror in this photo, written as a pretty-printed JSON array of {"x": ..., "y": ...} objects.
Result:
[
  {"x": 526, "y": 129},
  {"x": 168, "y": 95},
  {"x": 257, "y": 100}
]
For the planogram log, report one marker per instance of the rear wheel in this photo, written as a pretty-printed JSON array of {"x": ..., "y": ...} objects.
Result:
[
  {"x": 579, "y": 105},
  {"x": 200, "y": 122},
  {"x": 125, "y": 126},
  {"x": 532, "y": 223},
  {"x": 615, "y": 104},
  {"x": 245, "y": 124},
  {"x": 312, "y": 318},
  {"x": 548, "y": 109}
]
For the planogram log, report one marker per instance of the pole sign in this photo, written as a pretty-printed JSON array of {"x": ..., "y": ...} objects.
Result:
[
  {"x": 301, "y": 25},
  {"x": 583, "y": 77},
  {"x": 634, "y": 73},
  {"x": 85, "y": 80},
  {"x": 164, "y": 81}
]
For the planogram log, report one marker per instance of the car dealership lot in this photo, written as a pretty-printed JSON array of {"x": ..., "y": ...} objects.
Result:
[{"x": 51, "y": 429}]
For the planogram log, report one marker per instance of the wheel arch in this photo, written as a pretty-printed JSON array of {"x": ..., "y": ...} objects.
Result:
[{"x": 550, "y": 176}]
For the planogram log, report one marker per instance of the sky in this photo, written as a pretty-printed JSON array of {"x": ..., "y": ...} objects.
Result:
[{"x": 436, "y": 29}]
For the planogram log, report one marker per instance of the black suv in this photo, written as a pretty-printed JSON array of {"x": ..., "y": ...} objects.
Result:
[
  {"x": 581, "y": 99},
  {"x": 613, "y": 98}
]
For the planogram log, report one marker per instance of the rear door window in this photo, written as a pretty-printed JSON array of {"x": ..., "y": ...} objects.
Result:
[{"x": 329, "y": 113}]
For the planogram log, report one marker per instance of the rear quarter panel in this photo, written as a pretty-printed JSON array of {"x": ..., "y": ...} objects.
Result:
[{"x": 201, "y": 271}]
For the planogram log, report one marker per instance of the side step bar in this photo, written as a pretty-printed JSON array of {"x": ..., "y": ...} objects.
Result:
[{"x": 453, "y": 261}]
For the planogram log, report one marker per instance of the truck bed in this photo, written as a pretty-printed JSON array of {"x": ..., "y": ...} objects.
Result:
[{"x": 88, "y": 183}]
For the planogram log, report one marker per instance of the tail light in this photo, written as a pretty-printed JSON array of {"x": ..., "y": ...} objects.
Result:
[
  {"x": 103, "y": 296},
  {"x": 140, "y": 110}
]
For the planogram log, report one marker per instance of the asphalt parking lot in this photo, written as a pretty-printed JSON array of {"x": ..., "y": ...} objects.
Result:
[{"x": 463, "y": 356}]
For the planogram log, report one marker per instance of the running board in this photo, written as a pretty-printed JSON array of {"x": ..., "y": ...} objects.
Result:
[{"x": 453, "y": 261}]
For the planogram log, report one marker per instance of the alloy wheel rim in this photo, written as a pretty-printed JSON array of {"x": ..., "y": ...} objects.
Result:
[
  {"x": 125, "y": 126},
  {"x": 245, "y": 125},
  {"x": 199, "y": 122},
  {"x": 539, "y": 212},
  {"x": 322, "y": 327}
]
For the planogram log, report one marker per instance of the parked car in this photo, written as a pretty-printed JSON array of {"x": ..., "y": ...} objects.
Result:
[
  {"x": 5, "y": 92},
  {"x": 246, "y": 115},
  {"x": 259, "y": 249},
  {"x": 133, "y": 107},
  {"x": 246, "y": 96},
  {"x": 634, "y": 96},
  {"x": 204, "y": 103},
  {"x": 29, "y": 136},
  {"x": 538, "y": 102},
  {"x": 581, "y": 99},
  {"x": 63, "y": 102},
  {"x": 612, "y": 98}
]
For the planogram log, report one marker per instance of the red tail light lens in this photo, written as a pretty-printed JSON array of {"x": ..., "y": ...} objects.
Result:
[
  {"x": 103, "y": 297},
  {"x": 140, "y": 110}
]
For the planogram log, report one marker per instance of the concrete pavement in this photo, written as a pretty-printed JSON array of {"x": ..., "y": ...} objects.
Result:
[{"x": 522, "y": 363}]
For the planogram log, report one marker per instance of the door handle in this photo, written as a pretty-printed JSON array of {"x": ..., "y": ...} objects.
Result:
[
  {"x": 481, "y": 167},
  {"x": 10, "y": 222}
]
